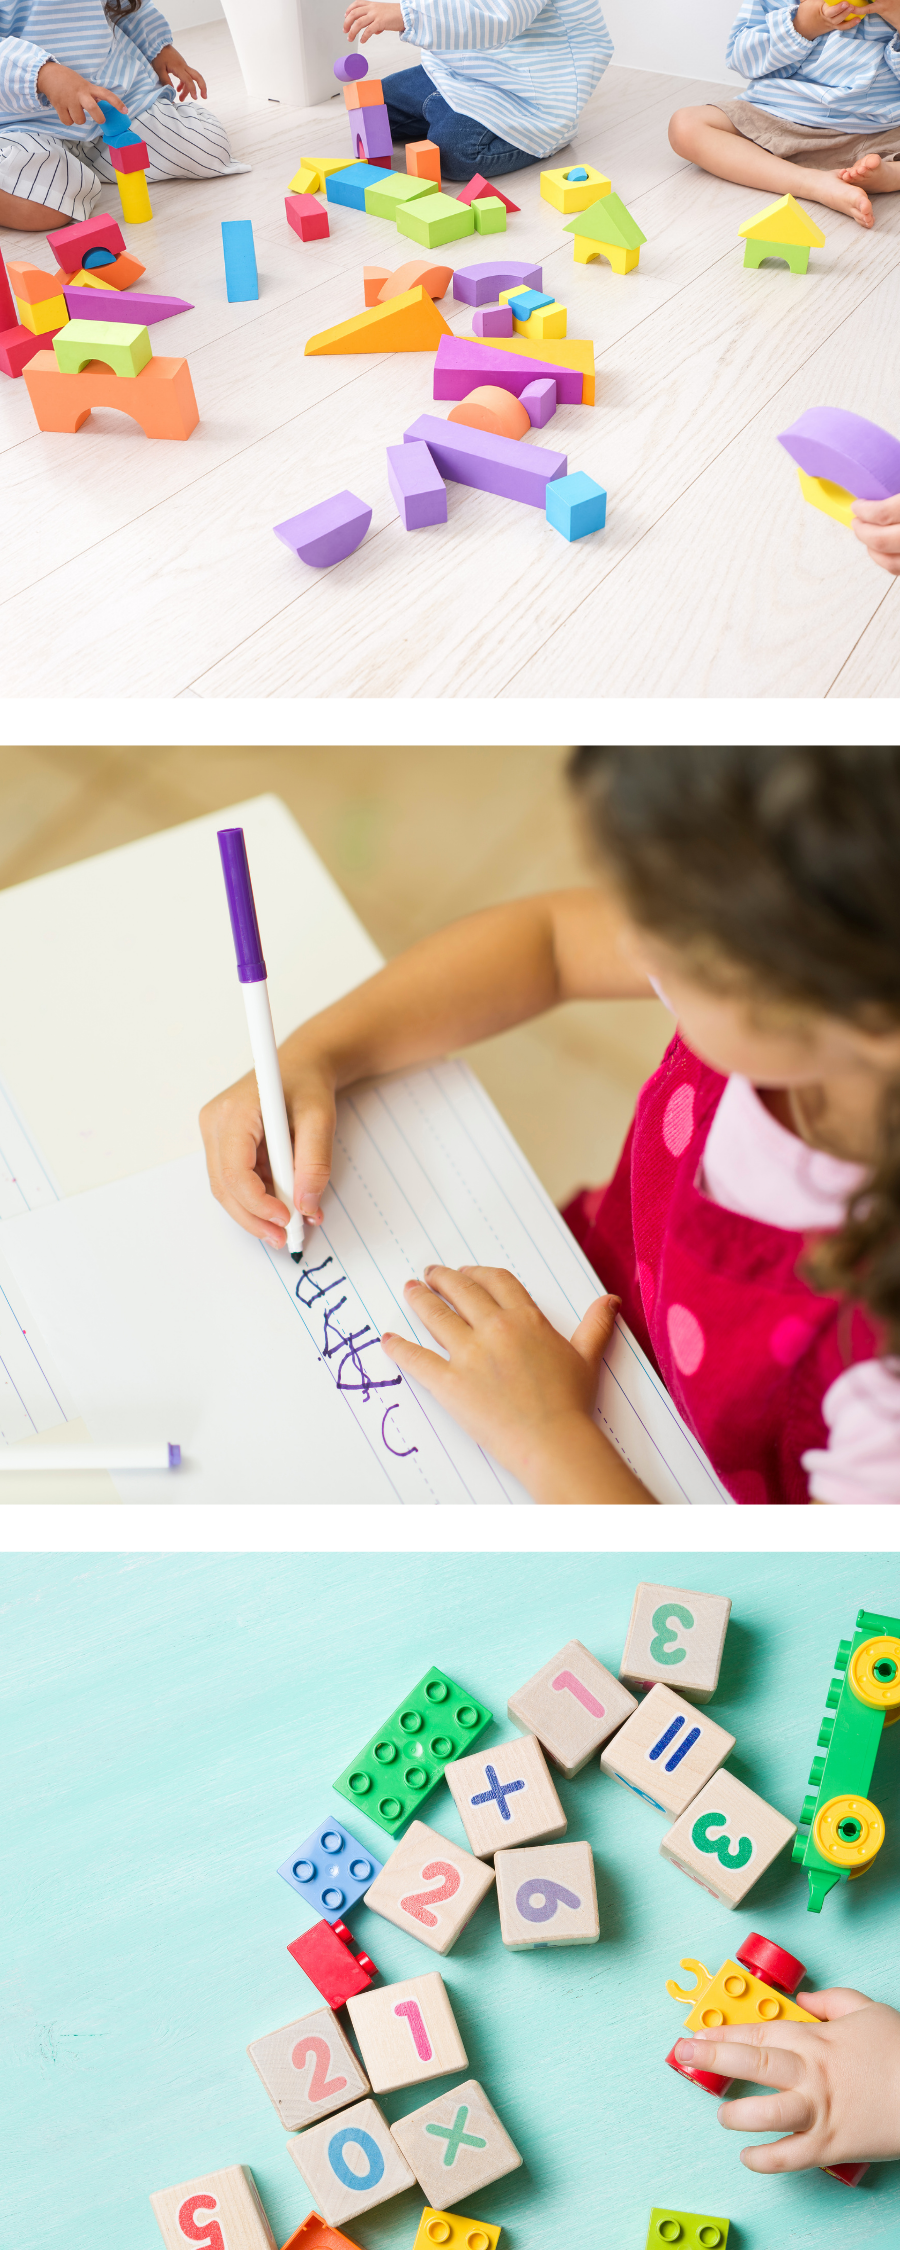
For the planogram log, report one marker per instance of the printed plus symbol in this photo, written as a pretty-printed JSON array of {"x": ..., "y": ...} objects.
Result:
[
  {"x": 455, "y": 2135},
  {"x": 498, "y": 1791}
]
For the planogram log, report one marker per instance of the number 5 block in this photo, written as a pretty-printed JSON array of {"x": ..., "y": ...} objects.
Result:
[
  {"x": 407, "y": 2032},
  {"x": 547, "y": 1895},
  {"x": 572, "y": 1705},
  {"x": 727, "y": 1838},
  {"x": 350, "y": 2163},
  {"x": 308, "y": 2068},
  {"x": 221, "y": 2211},
  {"x": 676, "y": 1637},
  {"x": 430, "y": 1887}
]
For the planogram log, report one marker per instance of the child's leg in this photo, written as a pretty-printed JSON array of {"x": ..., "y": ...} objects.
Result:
[
  {"x": 467, "y": 147},
  {"x": 405, "y": 92},
  {"x": 879, "y": 175},
  {"x": 183, "y": 143},
  {"x": 708, "y": 137},
  {"x": 43, "y": 182}
]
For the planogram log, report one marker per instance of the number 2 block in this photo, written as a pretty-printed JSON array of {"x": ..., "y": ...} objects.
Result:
[
  {"x": 676, "y": 1637},
  {"x": 221, "y": 2211},
  {"x": 308, "y": 2069},
  {"x": 572, "y": 1705},
  {"x": 505, "y": 1797},
  {"x": 350, "y": 2163},
  {"x": 407, "y": 2032},
  {"x": 547, "y": 1895},
  {"x": 430, "y": 1887},
  {"x": 727, "y": 1838},
  {"x": 665, "y": 1752},
  {"x": 456, "y": 2144}
]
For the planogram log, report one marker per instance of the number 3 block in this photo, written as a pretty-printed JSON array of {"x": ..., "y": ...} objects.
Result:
[
  {"x": 547, "y": 1896},
  {"x": 351, "y": 2163},
  {"x": 430, "y": 1887},
  {"x": 456, "y": 2144},
  {"x": 676, "y": 1637},
  {"x": 407, "y": 2032},
  {"x": 727, "y": 1838},
  {"x": 308, "y": 2069},
  {"x": 572, "y": 1705},
  {"x": 221, "y": 2211}
]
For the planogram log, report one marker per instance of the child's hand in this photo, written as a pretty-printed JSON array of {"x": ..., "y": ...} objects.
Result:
[
  {"x": 840, "y": 2082},
  {"x": 877, "y": 524},
  {"x": 237, "y": 1159},
  {"x": 814, "y": 20},
  {"x": 169, "y": 65},
  {"x": 368, "y": 17},
  {"x": 74, "y": 98}
]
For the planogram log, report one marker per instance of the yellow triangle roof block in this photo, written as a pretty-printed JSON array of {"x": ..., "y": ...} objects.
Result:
[
  {"x": 782, "y": 222},
  {"x": 410, "y": 323},
  {"x": 573, "y": 351}
]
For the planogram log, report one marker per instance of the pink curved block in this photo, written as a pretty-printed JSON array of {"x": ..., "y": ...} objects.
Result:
[
  {"x": 481, "y": 284},
  {"x": 829, "y": 442},
  {"x": 327, "y": 533},
  {"x": 349, "y": 67}
]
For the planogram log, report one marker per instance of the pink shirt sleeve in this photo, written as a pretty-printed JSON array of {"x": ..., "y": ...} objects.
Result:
[{"x": 861, "y": 1462}]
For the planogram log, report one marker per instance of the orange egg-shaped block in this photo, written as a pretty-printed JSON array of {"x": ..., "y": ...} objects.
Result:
[{"x": 489, "y": 408}]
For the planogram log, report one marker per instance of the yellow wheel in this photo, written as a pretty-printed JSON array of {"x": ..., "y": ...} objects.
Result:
[
  {"x": 848, "y": 1831},
  {"x": 875, "y": 1673}
]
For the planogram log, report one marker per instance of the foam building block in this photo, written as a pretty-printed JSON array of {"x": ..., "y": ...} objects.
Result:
[
  {"x": 94, "y": 258},
  {"x": 7, "y": 304},
  {"x": 439, "y": 219},
  {"x": 134, "y": 158},
  {"x": 692, "y": 2230},
  {"x": 93, "y": 283},
  {"x": 417, "y": 273},
  {"x": 505, "y": 1796},
  {"x": 547, "y": 1895},
  {"x": 68, "y": 245},
  {"x": 544, "y": 320},
  {"x": 307, "y": 217},
  {"x": 161, "y": 398},
  {"x": 481, "y": 284},
  {"x": 364, "y": 93},
  {"x": 607, "y": 230},
  {"x": 314, "y": 2234},
  {"x": 374, "y": 278},
  {"x": 407, "y": 2032},
  {"x": 122, "y": 274},
  {"x": 126, "y": 349},
  {"x": 576, "y": 189},
  {"x": 573, "y": 1704},
  {"x": 540, "y": 401},
  {"x": 783, "y": 230},
  {"x": 491, "y": 408},
  {"x": 478, "y": 187},
  {"x": 326, "y": 1955},
  {"x": 371, "y": 135},
  {"x": 349, "y": 186},
  {"x": 665, "y": 1752},
  {"x": 410, "y": 323},
  {"x": 492, "y": 464},
  {"x": 456, "y": 2144},
  {"x": 423, "y": 160},
  {"x": 578, "y": 507},
  {"x": 82, "y": 304},
  {"x": 677, "y": 1637},
  {"x": 387, "y": 192},
  {"x": 727, "y": 1838},
  {"x": 314, "y": 173},
  {"x": 395, "y": 1770},
  {"x": 448, "y": 2230},
  {"x": 490, "y": 215},
  {"x": 328, "y": 532},
  {"x": 218, "y": 2209},
  {"x": 492, "y": 320},
  {"x": 351, "y": 66},
  {"x": 351, "y": 2164},
  {"x": 134, "y": 194},
  {"x": 840, "y": 458},
  {"x": 18, "y": 345},
  {"x": 420, "y": 495},
  {"x": 118, "y": 131},
  {"x": 429, "y": 1887},
  {"x": 464, "y": 362},
  {"x": 39, "y": 299},
  {"x": 523, "y": 302},
  {"x": 241, "y": 279},
  {"x": 308, "y": 2069},
  {"x": 331, "y": 1870}
]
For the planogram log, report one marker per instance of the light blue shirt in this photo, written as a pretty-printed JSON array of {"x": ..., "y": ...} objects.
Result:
[
  {"x": 523, "y": 68},
  {"x": 849, "y": 80},
  {"x": 79, "y": 33}
]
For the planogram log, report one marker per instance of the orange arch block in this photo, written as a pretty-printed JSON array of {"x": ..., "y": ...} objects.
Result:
[
  {"x": 490, "y": 408},
  {"x": 161, "y": 398}
]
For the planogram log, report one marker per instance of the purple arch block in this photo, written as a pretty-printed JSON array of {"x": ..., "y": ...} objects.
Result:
[
  {"x": 349, "y": 67},
  {"x": 481, "y": 285},
  {"x": 829, "y": 442},
  {"x": 327, "y": 533}
]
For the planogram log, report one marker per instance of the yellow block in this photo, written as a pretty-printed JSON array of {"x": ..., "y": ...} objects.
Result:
[
  {"x": 136, "y": 206},
  {"x": 575, "y": 352},
  {"x": 831, "y": 498},
  {"x": 734, "y": 1996},
  {"x": 448, "y": 2230},
  {"x": 622, "y": 261},
  {"x": 52, "y": 312},
  {"x": 88, "y": 277},
  {"x": 577, "y": 195},
  {"x": 410, "y": 323},
  {"x": 549, "y": 320},
  {"x": 782, "y": 222},
  {"x": 314, "y": 171}
]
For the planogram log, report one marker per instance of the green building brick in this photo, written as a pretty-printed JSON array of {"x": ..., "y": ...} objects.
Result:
[
  {"x": 396, "y": 1770},
  {"x": 439, "y": 220},
  {"x": 126, "y": 350},
  {"x": 383, "y": 201},
  {"x": 863, "y": 1697},
  {"x": 691, "y": 2230},
  {"x": 793, "y": 254}
]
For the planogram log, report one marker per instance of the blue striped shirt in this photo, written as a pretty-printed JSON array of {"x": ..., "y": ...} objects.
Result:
[
  {"x": 846, "y": 79},
  {"x": 77, "y": 32},
  {"x": 523, "y": 68}
]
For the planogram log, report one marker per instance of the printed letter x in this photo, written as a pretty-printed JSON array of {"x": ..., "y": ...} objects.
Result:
[
  {"x": 498, "y": 1791},
  {"x": 455, "y": 2137}
]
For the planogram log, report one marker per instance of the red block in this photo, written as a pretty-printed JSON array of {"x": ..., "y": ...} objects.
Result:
[
  {"x": 478, "y": 186},
  {"x": 325, "y": 1954},
  {"x": 8, "y": 316},
  {"x": 70, "y": 244},
  {"x": 306, "y": 216},
  {"x": 132, "y": 158},
  {"x": 18, "y": 345},
  {"x": 313, "y": 2234}
]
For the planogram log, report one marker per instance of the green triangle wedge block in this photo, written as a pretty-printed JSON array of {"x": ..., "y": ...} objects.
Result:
[{"x": 607, "y": 221}]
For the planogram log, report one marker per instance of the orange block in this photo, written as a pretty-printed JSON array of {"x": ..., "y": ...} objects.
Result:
[
  {"x": 409, "y": 323},
  {"x": 161, "y": 398},
  {"x": 489, "y": 408},
  {"x": 415, "y": 274},
  {"x": 374, "y": 278},
  {"x": 31, "y": 284},
  {"x": 124, "y": 270},
  {"x": 423, "y": 160},
  {"x": 364, "y": 93}
]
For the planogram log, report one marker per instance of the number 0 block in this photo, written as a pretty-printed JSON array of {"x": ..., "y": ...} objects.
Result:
[
  {"x": 308, "y": 2069},
  {"x": 676, "y": 1637},
  {"x": 221, "y": 2211},
  {"x": 505, "y": 1796},
  {"x": 727, "y": 1838},
  {"x": 665, "y": 1752},
  {"x": 351, "y": 2163},
  {"x": 407, "y": 2032},
  {"x": 430, "y": 1887},
  {"x": 573, "y": 1705},
  {"x": 547, "y": 1895},
  {"x": 456, "y": 2144}
]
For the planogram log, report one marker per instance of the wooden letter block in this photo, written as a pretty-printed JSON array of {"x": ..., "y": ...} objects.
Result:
[
  {"x": 676, "y": 1637},
  {"x": 314, "y": 2234},
  {"x": 727, "y": 1838},
  {"x": 407, "y": 2032},
  {"x": 221, "y": 2211},
  {"x": 547, "y": 1895},
  {"x": 505, "y": 1796},
  {"x": 351, "y": 2164},
  {"x": 308, "y": 2069},
  {"x": 573, "y": 1704},
  {"x": 665, "y": 1752},
  {"x": 429, "y": 1886},
  {"x": 456, "y": 2144},
  {"x": 692, "y": 2229}
]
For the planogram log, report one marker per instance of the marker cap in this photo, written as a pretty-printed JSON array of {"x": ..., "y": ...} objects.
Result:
[{"x": 251, "y": 967}]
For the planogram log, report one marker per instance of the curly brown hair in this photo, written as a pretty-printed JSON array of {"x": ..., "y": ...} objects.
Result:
[{"x": 778, "y": 869}]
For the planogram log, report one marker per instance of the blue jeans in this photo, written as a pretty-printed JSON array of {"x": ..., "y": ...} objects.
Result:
[{"x": 417, "y": 112}]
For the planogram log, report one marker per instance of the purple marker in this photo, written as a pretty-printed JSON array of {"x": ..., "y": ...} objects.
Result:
[{"x": 251, "y": 969}]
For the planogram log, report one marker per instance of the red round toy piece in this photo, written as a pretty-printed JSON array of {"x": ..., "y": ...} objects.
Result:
[
  {"x": 705, "y": 2078},
  {"x": 771, "y": 1963}
]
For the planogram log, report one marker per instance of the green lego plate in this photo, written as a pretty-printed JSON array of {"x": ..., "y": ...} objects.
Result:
[
  {"x": 396, "y": 1770},
  {"x": 694, "y": 2230}
]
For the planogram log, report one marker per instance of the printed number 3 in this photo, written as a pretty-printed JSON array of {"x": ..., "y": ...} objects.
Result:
[
  {"x": 730, "y": 1854},
  {"x": 419, "y": 1902},
  {"x": 664, "y": 1649},
  {"x": 208, "y": 2233}
]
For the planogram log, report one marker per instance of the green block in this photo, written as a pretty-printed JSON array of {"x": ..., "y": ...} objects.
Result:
[
  {"x": 490, "y": 215},
  {"x": 794, "y": 254},
  {"x": 608, "y": 221},
  {"x": 849, "y": 1740},
  {"x": 692, "y": 2230},
  {"x": 393, "y": 1774},
  {"x": 442, "y": 219},
  {"x": 384, "y": 201},
  {"x": 126, "y": 350}
]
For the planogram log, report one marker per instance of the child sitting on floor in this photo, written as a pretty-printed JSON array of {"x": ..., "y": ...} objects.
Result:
[
  {"x": 821, "y": 116},
  {"x": 57, "y": 61},
  {"x": 505, "y": 80}
]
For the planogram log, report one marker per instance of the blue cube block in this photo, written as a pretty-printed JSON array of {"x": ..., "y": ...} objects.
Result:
[
  {"x": 349, "y": 185},
  {"x": 576, "y": 505},
  {"x": 331, "y": 1870},
  {"x": 527, "y": 301},
  {"x": 241, "y": 279}
]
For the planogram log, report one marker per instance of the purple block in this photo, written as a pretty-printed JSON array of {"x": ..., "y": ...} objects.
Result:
[
  {"x": 495, "y": 464},
  {"x": 462, "y": 365},
  {"x": 495, "y": 320},
  {"x": 349, "y": 67},
  {"x": 539, "y": 401},
  {"x": 327, "y": 533},
  {"x": 419, "y": 491},
  {"x": 481, "y": 285},
  {"x": 121, "y": 304},
  {"x": 370, "y": 133},
  {"x": 829, "y": 442}
]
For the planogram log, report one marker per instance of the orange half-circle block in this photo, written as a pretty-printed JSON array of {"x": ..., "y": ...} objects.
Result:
[
  {"x": 161, "y": 398},
  {"x": 124, "y": 270},
  {"x": 489, "y": 408},
  {"x": 417, "y": 273}
]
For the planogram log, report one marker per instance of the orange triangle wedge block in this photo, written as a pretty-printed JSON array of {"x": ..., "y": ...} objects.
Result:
[{"x": 410, "y": 323}]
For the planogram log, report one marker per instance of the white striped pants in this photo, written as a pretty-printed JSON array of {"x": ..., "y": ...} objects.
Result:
[{"x": 184, "y": 142}]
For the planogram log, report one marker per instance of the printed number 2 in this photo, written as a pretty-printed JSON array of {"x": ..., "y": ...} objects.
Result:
[
  {"x": 208, "y": 2233},
  {"x": 729, "y": 1853},
  {"x": 419, "y": 1902},
  {"x": 413, "y": 2013},
  {"x": 321, "y": 2087},
  {"x": 664, "y": 1648}
]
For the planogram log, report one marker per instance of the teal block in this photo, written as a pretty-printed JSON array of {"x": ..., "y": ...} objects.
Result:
[
  {"x": 523, "y": 302},
  {"x": 576, "y": 505},
  {"x": 349, "y": 186},
  {"x": 241, "y": 279},
  {"x": 405, "y": 1760}
]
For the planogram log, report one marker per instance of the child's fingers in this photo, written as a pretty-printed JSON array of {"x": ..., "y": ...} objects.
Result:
[
  {"x": 877, "y": 511},
  {"x": 798, "y": 2152},
  {"x": 413, "y": 1359},
  {"x": 594, "y": 1331},
  {"x": 839, "y": 2000},
  {"x": 768, "y": 2113},
  {"x": 313, "y": 1133},
  {"x": 427, "y": 1302},
  {"x": 774, "y": 2061},
  {"x": 482, "y": 1286}
]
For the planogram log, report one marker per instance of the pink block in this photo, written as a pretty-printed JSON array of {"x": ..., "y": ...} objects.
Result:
[
  {"x": 539, "y": 401},
  {"x": 479, "y": 186},
  {"x": 462, "y": 364},
  {"x": 8, "y": 314},
  {"x": 492, "y": 320},
  {"x": 509, "y": 466},
  {"x": 18, "y": 345},
  {"x": 308, "y": 218},
  {"x": 370, "y": 133},
  {"x": 120, "y": 304},
  {"x": 418, "y": 488},
  {"x": 70, "y": 245},
  {"x": 481, "y": 284},
  {"x": 327, "y": 533}
]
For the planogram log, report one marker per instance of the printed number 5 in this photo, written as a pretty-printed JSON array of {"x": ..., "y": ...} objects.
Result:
[
  {"x": 209, "y": 2233},
  {"x": 729, "y": 1854},
  {"x": 664, "y": 1649},
  {"x": 419, "y": 1902}
]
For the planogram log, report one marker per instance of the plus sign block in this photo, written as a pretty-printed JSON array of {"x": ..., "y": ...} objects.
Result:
[
  {"x": 547, "y": 1895},
  {"x": 330, "y": 1870},
  {"x": 456, "y": 2144},
  {"x": 308, "y": 2069},
  {"x": 407, "y": 2032},
  {"x": 351, "y": 2163},
  {"x": 396, "y": 1769},
  {"x": 676, "y": 1637},
  {"x": 430, "y": 1887},
  {"x": 505, "y": 1796},
  {"x": 727, "y": 1838},
  {"x": 691, "y": 2229},
  {"x": 222, "y": 2210},
  {"x": 448, "y": 2230},
  {"x": 573, "y": 1705},
  {"x": 665, "y": 1751}
]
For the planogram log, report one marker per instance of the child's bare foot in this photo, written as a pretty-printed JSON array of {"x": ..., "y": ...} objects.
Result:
[
  {"x": 842, "y": 191},
  {"x": 857, "y": 173}
]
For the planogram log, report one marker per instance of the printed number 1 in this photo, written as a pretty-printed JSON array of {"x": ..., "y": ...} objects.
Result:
[
  {"x": 664, "y": 1648},
  {"x": 413, "y": 2013},
  {"x": 581, "y": 1693},
  {"x": 209, "y": 2233}
]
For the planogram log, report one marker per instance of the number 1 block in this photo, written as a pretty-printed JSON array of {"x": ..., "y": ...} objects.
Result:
[
  {"x": 572, "y": 1705},
  {"x": 407, "y": 2032},
  {"x": 547, "y": 1895},
  {"x": 351, "y": 2163},
  {"x": 430, "y": 1887},
  {"x": 308, "y": 2069},
  {"x": 665, "y": 1753},
  {"x": 506, "y": 1796},
  {"x": 676, "y": 1637},
  {"x": 727, "y": 1838},
  {"x": 221, "y": 2211},
  {"x": 456, "y": 2144}
]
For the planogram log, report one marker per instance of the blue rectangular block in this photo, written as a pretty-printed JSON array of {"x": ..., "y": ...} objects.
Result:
[
  {"x": 495, "y": 464},
  {"x": 331, "y": 1870},
  {"x": 576, "y": 505},
  {"x": 349, "y": 186},
  {"x": 241, "y": 279}
]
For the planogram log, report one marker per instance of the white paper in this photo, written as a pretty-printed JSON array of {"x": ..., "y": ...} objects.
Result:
[
  {"x": 170, "y": 1322},
  {"x": 32, "y": 1399}
]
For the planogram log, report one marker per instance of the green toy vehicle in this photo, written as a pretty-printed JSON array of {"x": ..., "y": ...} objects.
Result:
[{"x": 839, "y": 1830}]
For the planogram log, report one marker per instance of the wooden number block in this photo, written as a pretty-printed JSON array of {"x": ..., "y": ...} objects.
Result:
[
  {"x": 407, "y": 2032},
  {"x": 727, "y": 1838},
  {"x": 456, "y": 2144},
  {"x": 505, "y": 1796},
  {"x": 547, "y": 1895},
  {"x": 308, "y": 2069},
  {"x": 429, "y": 1886},
  {"x": 314, "y": 2234},
  {"x": 665, "y": 1752},
  {"x": 692, "y": 2229},
  {"x": 448, "y": 2230},
  {"x": 676, "y": 1637},
  {"x": 221, "y": 2211},
  {"x": 351, "y": 2163},
  {"x": 573, "y": 1704}
]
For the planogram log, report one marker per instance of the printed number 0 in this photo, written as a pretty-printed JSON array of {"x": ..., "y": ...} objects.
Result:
[
  {"x": 209, "y": 2233},
  {"x": 419, "y": 1902},
  {"x": 320, "y": 2087},
  {"x": 551, "y": 1895},
  {"x": 664, "y": 1649},
  {"x": 727, "y": 1852}
]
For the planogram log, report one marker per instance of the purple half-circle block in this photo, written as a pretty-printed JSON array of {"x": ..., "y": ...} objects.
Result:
[
  {"x": 847, "y": 450},
  {"x": 481, "y": 285},
  {"x": 327, "y": 533},
  {"x": 349, "y": 67}
]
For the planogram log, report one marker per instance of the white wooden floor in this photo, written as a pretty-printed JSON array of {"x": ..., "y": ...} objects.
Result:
[{"x": 150, "y": 569}]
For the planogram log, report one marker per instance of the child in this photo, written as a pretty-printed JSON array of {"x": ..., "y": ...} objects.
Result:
[
  {"x": 505, "y": 81},
  {"x": 840, "y": 2097},
  {"x": 877, "y": 524},
  {"x": 821, "y": 116},
  {"x": 58, "y": 58},
  {"x": 751, "y": 1232}
]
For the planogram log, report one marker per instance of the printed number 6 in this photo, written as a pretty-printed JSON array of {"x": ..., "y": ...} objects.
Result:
[
  {"x": 320, "y": 2087},
  {"x": 209, "y": 2233},
  {"x": 727, "y": 1852},
  {"x": 550, "y": 1894},
  {"x": 419, "y": 1901},
  {"x": 664, "y": 1649}
]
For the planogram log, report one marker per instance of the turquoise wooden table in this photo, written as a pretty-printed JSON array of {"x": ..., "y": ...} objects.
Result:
[{"x": 172, "y": 1727}]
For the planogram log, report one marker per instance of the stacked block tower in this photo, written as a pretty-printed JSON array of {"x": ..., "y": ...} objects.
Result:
[
  {"x": 370, "y": 133},
  {"x": 129, "y": 158}
]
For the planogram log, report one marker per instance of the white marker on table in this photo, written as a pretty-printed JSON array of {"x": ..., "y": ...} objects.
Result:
[
  {"x": 251, "y": 970},
  {"x": 19, "y": 1458}
]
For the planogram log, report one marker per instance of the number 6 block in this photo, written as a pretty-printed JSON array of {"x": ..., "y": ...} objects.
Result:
[
  {"x": 727, "y": 1838},
  {"x": 407, "y": 2032},
  {"x": 547, "y": 1895},
  {"x": 221, "y": 2211},
  {"x": 308, "y": 2069},
  {"x": 350, "y": 2163},
  {"x": 676, "y": 1637},
  {"x": 430, "y": 1887}
]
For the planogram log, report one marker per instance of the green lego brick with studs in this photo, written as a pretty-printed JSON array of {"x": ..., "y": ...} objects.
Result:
[
  {"x": 691, "y": 2230},
  {"x": 394, "y": 1773},
  {"x": 846, "y": 1750}
]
